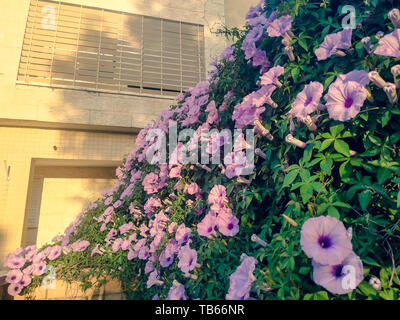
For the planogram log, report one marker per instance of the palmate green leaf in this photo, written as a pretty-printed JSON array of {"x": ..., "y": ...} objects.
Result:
[
  {"x": 326, "y": 165},
  {"x": 342, "y": 147},
  {"x": 325, "y": 144}
]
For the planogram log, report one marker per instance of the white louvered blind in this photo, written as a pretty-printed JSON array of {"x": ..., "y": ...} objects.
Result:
[{"x": 79, "y": 47}]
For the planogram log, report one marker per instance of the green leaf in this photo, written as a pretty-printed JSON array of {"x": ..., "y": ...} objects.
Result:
[
  {"x": 345, "y": 169},
  {"x": 289, "y": 178},
  {"x": 295, "y": 73},
  {"x": 306, "y": 192},
  {"x": 325, "y": 144},
  {"x": 336, "y": 129},
  {"x": 333, "y": 212},
  {"x": 342, "y": 147},
  {"x": 326, "y": 165},
  {"x": 303, "y": 43},
  {"x": 382, "y": 175},
  {"x": 364, "y": 198}
]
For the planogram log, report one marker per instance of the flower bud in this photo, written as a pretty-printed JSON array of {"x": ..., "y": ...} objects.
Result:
[
  {"x": 339, "y": 53},
  {"x": 298, "y": 143},
  {"x": 350, "y": 233},
  {"x": 391, "y": 92},
  {"x": 367, "y": 44},
  {"x": 256, "y": 239},
  {"x": 289, "y": 52},
  {"x": 377, "y": 79},
  {"x": 375, "y": 283},
  {"x": 158, "y": 282},
  {"x": 204, "y": 167},
  {"x": 271, "y": 102},
  {"x": 222, "y": 168},
  {"x": 380, "y": 34},
  {"x": 260, "y": 153},
  {"x": 394, "y": 16},
  {"x": 243, "y": 180},
  {"x": 264, "y": 132},
  {"x": 309, "y": 123},
  {"x": 352, "y": 153},
  {"x": 290, "y": 220},
  {"x": 396, "y": 72},
  {"x": 191, "y": 276}
]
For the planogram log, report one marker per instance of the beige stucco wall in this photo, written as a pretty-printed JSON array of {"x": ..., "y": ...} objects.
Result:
[
  {"x": 94, "y": 109},
  {"x": 235, "y": 11},
  {"x": 23, "y": 149}
]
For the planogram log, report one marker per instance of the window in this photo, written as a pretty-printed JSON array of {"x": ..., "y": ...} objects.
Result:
[{"x": 79, "y": 47}]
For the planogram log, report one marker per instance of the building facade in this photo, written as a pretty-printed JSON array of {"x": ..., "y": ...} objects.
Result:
[{"x": 78, "y": 80}]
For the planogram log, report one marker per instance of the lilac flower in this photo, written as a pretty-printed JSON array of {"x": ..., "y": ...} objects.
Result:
[
  {"x": 151, "y": 205},
  {"x": 245, "y": 114},
  {"x": 108, "y": 201},
  {"x": 272, "y": 75},
  {"x": 344, "y": 100},
  {"x": 172, "y": 227},
  {"x": 241, "y": 280},
  {"x": 307, "y": 101},
  {"x": 149, "y": 267},
  {"x": 55, "y": 252},
  {"x": 14, "y": 289},
  {"x": 333, "y": 277},
  {"x": 25, "y": 281},
  {"x": 332, "y": 42},
  {"x": 359, "y": 76},
  {"x": 206, "y": 227},
  {"x": 28, "y": 270},
  {"x": 175, "y": 172},
  {"x": 153, "y": 279},
  {"x": 227, "y": 223},
  {"x": 325, "y": 240},
  {"x": 254, "y": 11},
  {"x": 389, "y": 45},
  {"x": 126, "y": 227},
  {"x": 117, "y": 204},
  {"x": 111, "y": 234},
  {"x": 150, "y": 183},
  {"x": 14, "y": 262},
  {"x": 39, "y": 268},
  {"x": 167, "y": 255},
  {"x": 259, "y": 58},
  {"x": 177, "y": 292},
  {"x": 96, "y": 250},
  {"x": 228, "y": 54},
  {"x": 117, "y": 244},
  {"x": 80, "y": 245},
  {"x": 14, "y": 276},
  {"x": 280, "y": 26},
  {"x": 187, "y": 259},
  {"x": 217, "y": 195},
  {"x": 192, "y": 188},
  {"x": 182, "y": 234}
]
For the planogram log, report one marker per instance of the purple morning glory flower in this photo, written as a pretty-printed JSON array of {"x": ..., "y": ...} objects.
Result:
[
  {"x": 280, "y": 26},
  {"x": 55, "y": 252},
  {"x": 340, "y": 278},
  {"x": 14, "y": 289},
  {"x": 150, "y": 183},
  {"x": 227, "y": 223},
  {"x": 325, "y": 240},
  {"x": 241, "y": 280},
  {"x": 182, "y": 234},
  {"x": 187, "y": 259},
  {"x": 228, "y": 54},
  {"x": 255, "y": 11},
  {"x": 14, "y": 276},
  {"x": 217, "y": 194},
  {"x": 389, "y": 45},
  {"x": 332, "y": 42},
  {"x": 206, "y": 227},
  {"x": 177, "y": 292},
  {"x": 345, "y": 99},
  {"x": 80, "y": 245},
  {"x": 307, "y": 101},
  {"x": 272, "y": 75}
]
